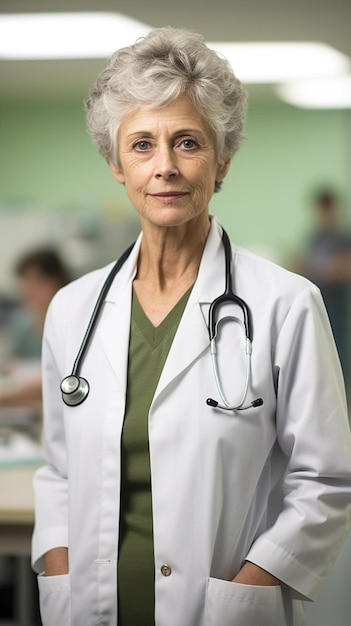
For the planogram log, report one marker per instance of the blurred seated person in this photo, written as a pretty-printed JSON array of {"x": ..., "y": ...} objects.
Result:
[{"x": 41, "y": 273}]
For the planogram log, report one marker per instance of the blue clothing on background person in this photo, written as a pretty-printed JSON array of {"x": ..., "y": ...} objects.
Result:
[{"x": 21, "y": 341}]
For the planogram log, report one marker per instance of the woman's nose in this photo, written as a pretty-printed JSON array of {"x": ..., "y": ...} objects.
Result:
[{"x": 165, "y": 165}]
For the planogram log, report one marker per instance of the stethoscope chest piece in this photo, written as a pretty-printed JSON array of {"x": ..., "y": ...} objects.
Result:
[{"x": 74, "y": 390}]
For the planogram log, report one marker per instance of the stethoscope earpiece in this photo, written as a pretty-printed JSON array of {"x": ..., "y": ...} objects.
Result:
[
  {"x": 74, "y": 390},
  {"x": 252, "y": 404}
]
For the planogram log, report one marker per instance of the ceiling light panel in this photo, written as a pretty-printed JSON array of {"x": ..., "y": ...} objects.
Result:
[
  {"x": 35, "y": 36},
  {"x": 318, "y": 94},
  {"x": 274, "y": 62}
]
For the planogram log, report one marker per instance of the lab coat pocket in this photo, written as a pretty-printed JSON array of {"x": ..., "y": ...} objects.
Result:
[
  {"x": 55, "y": 600},
  {"x": 234, "y": 604}
]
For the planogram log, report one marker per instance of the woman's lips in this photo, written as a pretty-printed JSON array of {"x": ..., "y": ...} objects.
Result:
[{"x": 169, "y": 195}]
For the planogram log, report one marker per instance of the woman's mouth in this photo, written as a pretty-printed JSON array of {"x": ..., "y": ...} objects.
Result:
[{"x": 168, "y": 196}]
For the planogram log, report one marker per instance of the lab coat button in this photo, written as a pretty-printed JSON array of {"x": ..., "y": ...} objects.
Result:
[{"x": 166, "y": 570}]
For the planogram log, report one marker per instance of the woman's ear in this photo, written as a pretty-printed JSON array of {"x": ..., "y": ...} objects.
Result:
[
  {"x": 117, "y": 172},
  {"x": 222, "y": 170}
]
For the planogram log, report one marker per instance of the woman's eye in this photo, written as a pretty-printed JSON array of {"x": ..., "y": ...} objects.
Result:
[
  {"x": 142, "y": 145},
  {"x": 188, "y": 144}
]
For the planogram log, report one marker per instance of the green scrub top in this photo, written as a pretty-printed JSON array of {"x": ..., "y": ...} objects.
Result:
[{"x": 148, "y": 351}]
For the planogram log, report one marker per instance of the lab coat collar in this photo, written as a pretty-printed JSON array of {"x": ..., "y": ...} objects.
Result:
[
  {"x": 126, "y": 274},
  {"x": 192, "y": 335},
  {"x": 210, "y": 280},
  {"x": 114, "y": 326},
  {"x": 211, "y": 276}
]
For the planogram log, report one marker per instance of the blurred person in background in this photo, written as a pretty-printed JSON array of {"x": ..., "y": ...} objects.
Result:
[
  {"x": 327, "y": 262},
  {"x": 40, "y": 273}
]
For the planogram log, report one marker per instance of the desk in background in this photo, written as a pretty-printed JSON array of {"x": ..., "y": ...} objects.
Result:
[{"x": 16, "y": 527}]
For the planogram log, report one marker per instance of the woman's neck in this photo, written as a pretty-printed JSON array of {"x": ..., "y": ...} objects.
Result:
[
  {"x": 168, "y": 265},
  {"x": 171, "y": 255}
]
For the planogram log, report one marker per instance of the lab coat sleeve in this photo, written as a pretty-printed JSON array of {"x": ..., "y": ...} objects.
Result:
[
  {"x": 313, "y": 432},
  {"x": 50, "y": 481}
]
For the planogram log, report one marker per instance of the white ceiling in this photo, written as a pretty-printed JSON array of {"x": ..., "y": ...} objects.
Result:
[{"x": 327, "y": 21}]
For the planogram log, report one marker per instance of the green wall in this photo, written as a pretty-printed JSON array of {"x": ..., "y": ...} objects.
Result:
[
  {"x": 288, "y": 153},
  {"x": 47, "y": 162}
]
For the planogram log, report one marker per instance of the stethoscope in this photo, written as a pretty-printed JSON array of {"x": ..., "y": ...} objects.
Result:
[{"x": 75, "y": 388}]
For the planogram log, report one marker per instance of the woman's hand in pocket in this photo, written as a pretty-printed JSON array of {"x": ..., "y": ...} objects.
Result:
[
  {"x": 251, "y": 574},
  {"x": 56, "y": 562}
]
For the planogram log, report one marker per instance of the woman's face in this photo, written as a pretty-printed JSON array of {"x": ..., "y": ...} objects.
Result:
[{"x": 168, "y": 162}]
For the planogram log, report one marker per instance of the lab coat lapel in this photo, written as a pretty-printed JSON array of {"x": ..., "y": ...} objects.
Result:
[
  {"x": 190, "y": 340},
  {"x": 116, "y": 315},
  {"x": 192, "y": 336}
]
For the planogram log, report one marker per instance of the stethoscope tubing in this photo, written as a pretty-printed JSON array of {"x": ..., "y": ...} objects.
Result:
[
  {"x": 229, "y": 296},
  {"x": 226, "y": 404},
  {"x": 96, "y": 311},
  {"x": 75, "y": 388}
]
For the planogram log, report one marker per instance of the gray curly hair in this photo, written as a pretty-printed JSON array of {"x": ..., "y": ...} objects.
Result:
[{"x": 157, "y": 70}]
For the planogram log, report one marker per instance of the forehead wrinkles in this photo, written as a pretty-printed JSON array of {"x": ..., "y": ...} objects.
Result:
[{"x": 180, "y": 115}]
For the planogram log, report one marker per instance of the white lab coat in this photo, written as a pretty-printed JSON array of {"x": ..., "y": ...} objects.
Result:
[{"x": 216, "y": 475}]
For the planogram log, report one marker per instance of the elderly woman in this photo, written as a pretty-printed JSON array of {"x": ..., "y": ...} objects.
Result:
[{"x": 188, "y": 481}]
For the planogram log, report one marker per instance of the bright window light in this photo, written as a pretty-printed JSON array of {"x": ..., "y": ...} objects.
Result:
[
  {"x": 334, "y": 93},
  {"x": 277, "y": 62},
  {"x": 35, "y": 36}
]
